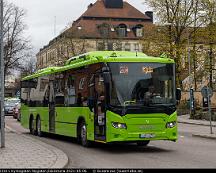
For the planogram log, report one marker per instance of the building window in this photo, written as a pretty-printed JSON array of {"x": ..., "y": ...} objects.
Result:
[
  {"x": 101, "y": 46},
  {"x": 138, "y": 30},
  {"x": 117, "y": 46},
  {"x": 110, "y": 46},
  {"x": 136, "y": 47},
  {"x": 122, "y": 30},
  {"x": 43, "y": 84},
  {"x": 104, "y": 30},
  {"x": 127, "y": 47},
  {"x": 81, "y": 84}
]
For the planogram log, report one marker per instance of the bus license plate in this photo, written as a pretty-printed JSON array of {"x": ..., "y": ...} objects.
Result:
[{"x": 147, "y": 135}]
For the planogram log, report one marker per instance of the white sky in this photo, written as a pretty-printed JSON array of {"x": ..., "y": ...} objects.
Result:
[{"x": 41, "y": 14}]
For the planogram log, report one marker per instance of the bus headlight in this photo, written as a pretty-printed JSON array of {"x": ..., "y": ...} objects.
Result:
[
  {"x": 119, "y": 125},
  {"x": 171, "y": 124}
]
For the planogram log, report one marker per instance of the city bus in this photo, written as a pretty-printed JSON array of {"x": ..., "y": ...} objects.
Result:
[{"x": 104, "y": 96}]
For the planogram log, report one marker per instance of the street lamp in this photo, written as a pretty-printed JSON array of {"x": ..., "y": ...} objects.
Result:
[
  {"x": 2, "y": 118},
  {"x": 169, "y": 24}
]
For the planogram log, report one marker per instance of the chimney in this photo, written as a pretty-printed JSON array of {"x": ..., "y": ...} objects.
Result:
[
  {"x": 90, "y": 5},
  {"x": 150, "y": 14},
  {"x": 113, "y": 3}
]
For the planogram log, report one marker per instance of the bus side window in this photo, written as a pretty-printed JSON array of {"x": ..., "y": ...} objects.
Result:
[
  {"x": 59, "y": 87},
  {"x": 70, "y": 96}
]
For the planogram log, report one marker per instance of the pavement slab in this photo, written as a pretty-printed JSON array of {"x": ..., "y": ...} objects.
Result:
[
  {"x": 22, "y": 151},
  {"x": 185, "y": 119}
]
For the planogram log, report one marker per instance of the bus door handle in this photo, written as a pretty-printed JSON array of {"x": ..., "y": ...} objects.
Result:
[{"x": 56, "y": 114}]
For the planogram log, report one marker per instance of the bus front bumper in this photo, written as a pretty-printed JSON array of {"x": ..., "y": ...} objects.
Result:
[{"x": 122, "y": 135}]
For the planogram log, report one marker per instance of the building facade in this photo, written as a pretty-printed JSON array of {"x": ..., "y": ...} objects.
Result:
[{"x": 105, "y": 25}]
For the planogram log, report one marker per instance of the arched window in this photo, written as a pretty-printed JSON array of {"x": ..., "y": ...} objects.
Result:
[
  {"x": 138, "y": 30},
  {"x": 122, "y": 30}
]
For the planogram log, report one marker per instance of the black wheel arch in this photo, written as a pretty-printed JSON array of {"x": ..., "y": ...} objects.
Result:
[
  {"x": 31, "y": 118},
  {"x": 79, "y": 121}
]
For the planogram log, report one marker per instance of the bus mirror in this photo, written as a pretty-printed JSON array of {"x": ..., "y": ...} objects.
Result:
[
  {"x": 178, "y": 94},
  {"x": 29, "y": 84}
]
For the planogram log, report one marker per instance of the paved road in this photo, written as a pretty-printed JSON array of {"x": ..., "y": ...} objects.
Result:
[{"x": 188, "y": 152}]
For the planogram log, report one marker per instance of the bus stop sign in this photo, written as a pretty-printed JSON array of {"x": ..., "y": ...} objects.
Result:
[{"x": 207, "y": 92}]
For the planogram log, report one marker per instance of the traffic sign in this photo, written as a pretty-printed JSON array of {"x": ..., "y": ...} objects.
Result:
[{"x": 207, "y": 92}]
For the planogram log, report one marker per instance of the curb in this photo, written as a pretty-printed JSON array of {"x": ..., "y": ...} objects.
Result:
[
  {"x": 200, "y": 124},
  {"x": 62, "y": 158},
  {"x": 204, "y": 136}
]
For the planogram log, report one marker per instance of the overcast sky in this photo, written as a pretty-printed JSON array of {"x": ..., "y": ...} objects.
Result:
[{"x": 40, "y": 17}]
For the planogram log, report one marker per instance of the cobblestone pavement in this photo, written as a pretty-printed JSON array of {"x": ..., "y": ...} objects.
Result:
[{"x": 22, "y": 151}]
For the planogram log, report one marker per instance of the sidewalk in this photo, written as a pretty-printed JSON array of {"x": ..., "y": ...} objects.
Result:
[
  {"x": 22, "y": 151},
  {"x": 185, "y": 119}
]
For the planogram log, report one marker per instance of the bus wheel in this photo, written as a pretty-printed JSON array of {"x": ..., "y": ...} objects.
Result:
[
  {"x": 31, "y": 126},
  {"x": 143, "y": 143},
  {"x": 83, "y": 134},
  {"x": 39, "y": 133}
]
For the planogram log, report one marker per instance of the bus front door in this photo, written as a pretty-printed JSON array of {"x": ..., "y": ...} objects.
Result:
[
  {"x": 99, "y": 110},
  {"x": 51, "y": 107}
]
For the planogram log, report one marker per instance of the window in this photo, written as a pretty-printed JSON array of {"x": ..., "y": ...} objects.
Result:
[
  {"x": 127, "y": 47},
  {"x": 117, "y": 46},
  {"x": 81, "y": 84},
  {"x": 110, "y": 46},
  {"x": 70, "y": 98},
  {"x": 136, "y": 47},
  {"x": 138, "y": 30},
  {"x": 101, "y": 46},
  {"x": 104, "y": 30},
  {"x": 122, "y": 30},
  {"x": 43, "y": 83}
]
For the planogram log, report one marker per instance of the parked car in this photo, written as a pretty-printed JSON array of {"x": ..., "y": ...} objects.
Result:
[
  {"x": 10, "y": 105},
  {"x": 16, "y": 111}
]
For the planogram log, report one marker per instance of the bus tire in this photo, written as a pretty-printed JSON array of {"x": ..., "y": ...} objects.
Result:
[
  {"x": 38, "y": 127},
  {"x": 83, "y": 134},
  {"x": 143, "y": 143},
  {"x": 31, "y": 126}
]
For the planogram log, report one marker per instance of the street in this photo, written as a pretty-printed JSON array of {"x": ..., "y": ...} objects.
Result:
[{"x": 188, "y": 152}]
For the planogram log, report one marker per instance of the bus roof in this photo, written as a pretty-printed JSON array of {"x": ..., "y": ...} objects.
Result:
[{"x": 98, "y": 57}]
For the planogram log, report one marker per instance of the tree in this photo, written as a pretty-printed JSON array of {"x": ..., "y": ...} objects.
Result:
[
  {"x": 177, "y": 16},
  {"x": 16, "y": 46},
  {"x": 29, "y": 67},
  {"x": 209, "y": 17},
  {"x": 72, "y": 42}
]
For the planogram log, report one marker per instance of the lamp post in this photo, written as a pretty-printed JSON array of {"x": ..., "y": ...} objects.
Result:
[
  {"x": 169, "y": 25},
  {"x": 191, "y": 92},
  {"x": 2, "y": 118}
]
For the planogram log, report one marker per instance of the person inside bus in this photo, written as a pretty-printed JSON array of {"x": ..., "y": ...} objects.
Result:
[
  {"x": 150, "y": 94},
  {"x": 102, "y": 102}
]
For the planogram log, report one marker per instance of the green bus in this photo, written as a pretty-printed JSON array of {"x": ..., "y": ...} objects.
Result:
[{"x": 104, "y": 96}]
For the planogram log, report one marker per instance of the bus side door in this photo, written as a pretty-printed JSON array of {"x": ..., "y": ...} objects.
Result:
[
  {"x": 51, "y": 107},
  {"x": 99, "y": 109}
]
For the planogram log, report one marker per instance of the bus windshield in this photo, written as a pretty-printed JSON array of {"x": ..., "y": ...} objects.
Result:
[{"x": 142, "y": 84}]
